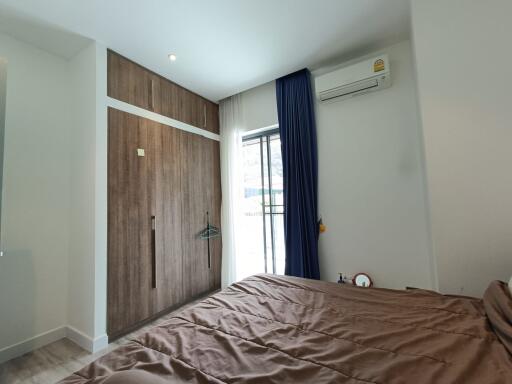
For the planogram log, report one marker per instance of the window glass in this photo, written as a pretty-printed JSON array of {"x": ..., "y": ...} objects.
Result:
[{"x": 262, "y": 245}]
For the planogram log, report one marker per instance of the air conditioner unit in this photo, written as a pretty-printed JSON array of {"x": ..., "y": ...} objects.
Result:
[{"x": 363, "y": 77}]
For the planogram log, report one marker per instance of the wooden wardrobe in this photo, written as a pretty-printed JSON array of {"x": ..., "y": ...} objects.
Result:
[{"x": 162, "y": 181}]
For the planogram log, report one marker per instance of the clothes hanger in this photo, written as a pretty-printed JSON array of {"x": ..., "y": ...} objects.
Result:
[{"x": 208, "y": 233}]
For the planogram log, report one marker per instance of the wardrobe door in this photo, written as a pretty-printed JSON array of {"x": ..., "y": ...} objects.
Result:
[
  {"x": 212, "y": 117},
  {"x": 186, "y": 109},
  {"x": 201, "y": 112},
  {"x": 213, "y": 201},
  {"x": 131, "y": 264},
  {"x": 168, "y": 96},
  {"x": 191, "y": 110},
  {"x": 194, "y": 172},
  {"x": 168, "y": 213},
  {"x": 131, "y": 83}
]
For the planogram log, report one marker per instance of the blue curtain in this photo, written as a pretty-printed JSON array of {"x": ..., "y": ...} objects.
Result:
[{"x": 300, "y": 173}]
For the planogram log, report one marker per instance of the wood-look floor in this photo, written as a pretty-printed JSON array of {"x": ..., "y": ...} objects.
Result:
[{"x": 57, "y": 360}]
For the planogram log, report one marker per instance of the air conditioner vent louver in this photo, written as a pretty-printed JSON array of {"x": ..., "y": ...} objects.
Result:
[
  {"x": 357, "y": 79},
  {"x": 351, "y": 89}
]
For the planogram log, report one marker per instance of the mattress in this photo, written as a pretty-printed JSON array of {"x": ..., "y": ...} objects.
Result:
[{"x": 276, "y": 329}]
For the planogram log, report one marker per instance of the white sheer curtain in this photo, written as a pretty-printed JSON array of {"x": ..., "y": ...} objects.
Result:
[{"x": 231, "y": 128}]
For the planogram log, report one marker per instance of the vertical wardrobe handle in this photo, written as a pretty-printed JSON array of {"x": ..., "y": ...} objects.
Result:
[
  {"x": 209, "y": 255},
  {"x": 204, "y": 115},
  {"x": 208, "y": 240},
  {"x": 153, "y": 252}
]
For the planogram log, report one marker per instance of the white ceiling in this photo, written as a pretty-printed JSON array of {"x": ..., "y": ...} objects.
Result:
[{"x": 223, "y": 46}]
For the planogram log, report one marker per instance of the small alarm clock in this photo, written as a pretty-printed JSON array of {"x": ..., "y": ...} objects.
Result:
[{"x": 362, "y": 280}]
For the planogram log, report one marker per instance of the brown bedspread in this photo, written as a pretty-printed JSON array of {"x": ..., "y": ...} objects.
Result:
[{"x": 274, "y": 329}]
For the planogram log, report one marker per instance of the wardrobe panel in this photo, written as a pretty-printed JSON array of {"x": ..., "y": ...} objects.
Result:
[
  {"x": 194, "y": 181},
  {"x": 212, "y": 117},
  {"x": 169, "y": 102},
  {"x": 154, "y": 96},
  {"x": 187, "y": 109},
  {"x": 168, "y": 215},
  {"x": 213, "y": 198},
  {"x": 130, "y": 82},
  {"x": 201, "y": 112},
  {"x": 130, "y": 197}
]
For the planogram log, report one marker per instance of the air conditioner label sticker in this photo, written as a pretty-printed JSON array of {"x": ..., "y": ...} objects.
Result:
[{"x": 378, "y": 65}]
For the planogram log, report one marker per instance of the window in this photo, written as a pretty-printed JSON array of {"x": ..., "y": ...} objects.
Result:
[{"x": 263, "y": 220}]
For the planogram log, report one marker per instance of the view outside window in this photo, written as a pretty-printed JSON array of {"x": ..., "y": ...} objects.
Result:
[{"x": 262, "y": 245}]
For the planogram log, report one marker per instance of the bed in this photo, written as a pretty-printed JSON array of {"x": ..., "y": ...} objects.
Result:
[{"x": 276, "y": 329}]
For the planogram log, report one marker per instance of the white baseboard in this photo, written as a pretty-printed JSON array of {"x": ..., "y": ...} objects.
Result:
[
  {"x": 45, "y": 338},
  {"x": 29, "y": 345},
  {"x": 100, "y": 343},
  {"x": 84, "y": 341}
]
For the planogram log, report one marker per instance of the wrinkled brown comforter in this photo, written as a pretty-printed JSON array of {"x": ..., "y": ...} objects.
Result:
[{"x": 274, "y": 329}]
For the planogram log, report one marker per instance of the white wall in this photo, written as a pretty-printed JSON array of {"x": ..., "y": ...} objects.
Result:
[
  {"x": 86, "y": 307},
  {"x": 35, "y": 214},
  {"x": 3, "y": 90},
  {"x": 80, "y": 305},
  {"x": 463, "y": 60},
  {"x": 100, "y": 201},
  {"x": 53, "y": 272},
  {"x": 371, "y": 179},
  {"x": 372, "y": 184},
  {"x": 260, "y": 106}
]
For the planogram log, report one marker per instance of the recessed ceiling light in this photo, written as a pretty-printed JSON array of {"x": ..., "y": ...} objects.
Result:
[{"x": 172, "y": 57}]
